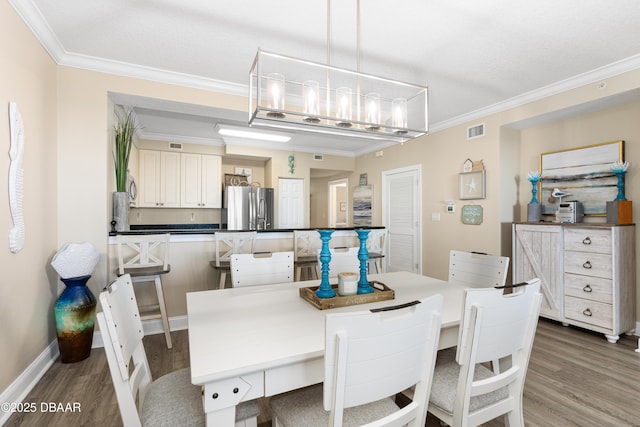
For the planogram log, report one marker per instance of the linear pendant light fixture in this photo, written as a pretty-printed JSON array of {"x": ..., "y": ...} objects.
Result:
[{"x": 296, "y": 94}]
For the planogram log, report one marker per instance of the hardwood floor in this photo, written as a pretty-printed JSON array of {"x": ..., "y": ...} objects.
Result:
[{"x": 575, "y": 378}]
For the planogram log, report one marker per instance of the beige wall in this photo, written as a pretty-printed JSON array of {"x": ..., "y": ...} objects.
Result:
[
  {"x": 29, "y": 285},
  {"x": 441, "y": 156}
]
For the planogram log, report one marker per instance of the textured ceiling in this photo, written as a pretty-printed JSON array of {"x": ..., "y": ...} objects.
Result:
[{"x": 472, "y": 54}]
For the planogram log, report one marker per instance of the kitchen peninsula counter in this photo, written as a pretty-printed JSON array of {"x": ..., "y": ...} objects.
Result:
[
  {"x": 213, "y": 228},
  {"x": 191, "y": 250}
]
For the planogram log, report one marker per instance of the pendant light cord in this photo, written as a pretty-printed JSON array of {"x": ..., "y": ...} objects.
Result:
[
  {"x": 328, "y": 32},
  {"x": 358, "y": 35}
]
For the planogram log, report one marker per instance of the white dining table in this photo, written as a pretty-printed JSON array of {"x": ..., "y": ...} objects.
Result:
[{"x": 246, "y": 343}]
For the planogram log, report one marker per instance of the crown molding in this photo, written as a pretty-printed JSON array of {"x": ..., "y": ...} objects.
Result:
[
  {"x": 32, "y": 17},
  {"x": 153, "y": 74},
  {"x": 611, "y": 70}
]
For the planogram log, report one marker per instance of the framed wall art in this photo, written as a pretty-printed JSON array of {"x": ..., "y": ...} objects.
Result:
[
  {"x": 362, "y": 197},
  {"x": 471, "y": 185},
  {"x": 471, "y": 214},
  {"x": 584, "y": 173}
]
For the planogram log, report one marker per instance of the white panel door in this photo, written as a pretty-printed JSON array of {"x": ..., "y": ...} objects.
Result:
[
  {"x": 401, "y": 215},
  {"x": 290, "y": 203}
]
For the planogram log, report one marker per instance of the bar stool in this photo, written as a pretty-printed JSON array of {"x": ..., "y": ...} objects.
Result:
[
  {"x": 146, "y": 258},
  {"x": 227, "y": 244},
  {"x": 306, "y": 245}
]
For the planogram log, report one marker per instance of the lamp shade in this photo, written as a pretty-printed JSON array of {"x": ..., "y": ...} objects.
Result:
[{"x": 322, "y": 98}]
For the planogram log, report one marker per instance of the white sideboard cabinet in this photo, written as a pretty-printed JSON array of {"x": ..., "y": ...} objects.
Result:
[{"x": 587, "y": 273}]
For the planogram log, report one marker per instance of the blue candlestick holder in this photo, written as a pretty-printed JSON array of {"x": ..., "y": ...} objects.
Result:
[
  {"x": 620, "y": 168},
  {"x": 363, "y": 256},
  {"x": 325, "y": 290},
  {"x": 620, "y": 175},
  {"x": 534, "y": 178}
]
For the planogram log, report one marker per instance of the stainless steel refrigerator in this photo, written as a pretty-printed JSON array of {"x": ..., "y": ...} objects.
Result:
[{"x": 248, "y": 208}]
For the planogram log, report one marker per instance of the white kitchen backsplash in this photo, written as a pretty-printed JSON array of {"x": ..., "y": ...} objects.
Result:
[{"x": 173, "y": 216}]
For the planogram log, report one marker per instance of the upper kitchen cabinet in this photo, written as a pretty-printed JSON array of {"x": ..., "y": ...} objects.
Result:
[
  {"x": 200, "y": 184},
  {"x": 159, "y": 179}
]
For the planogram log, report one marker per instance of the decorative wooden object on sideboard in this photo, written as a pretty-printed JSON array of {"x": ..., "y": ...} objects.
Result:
[{"x": 587, "y": 273}]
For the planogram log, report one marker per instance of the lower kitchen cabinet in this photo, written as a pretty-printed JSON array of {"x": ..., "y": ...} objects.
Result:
[{"x": 587, "y": 273}]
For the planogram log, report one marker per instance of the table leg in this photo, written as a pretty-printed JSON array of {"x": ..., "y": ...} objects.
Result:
[{"x": 222, "y": 417}]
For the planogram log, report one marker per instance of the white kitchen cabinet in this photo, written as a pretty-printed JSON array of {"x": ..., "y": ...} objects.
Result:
[
  {"x": 159, "y": 181},
  {"x": 200, "y": 183},
  {"x": 595, "y": 272}
]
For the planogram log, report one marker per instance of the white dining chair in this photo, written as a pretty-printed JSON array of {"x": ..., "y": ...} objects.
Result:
[
  {"x": 306, "y": 246},
  {"x": 170, "y": 400},
  {"x": 369, "y": 357},
  {"x": 228, "y": 243},
  {"x": 261, "y": 268},
  {"x": 146, "y": 259},
  {"x": 477, "y": 270},
  {"x": 376, "y": 247},
  {"x": 343, "y": 260},
  {"x": 494, "y": 325}
]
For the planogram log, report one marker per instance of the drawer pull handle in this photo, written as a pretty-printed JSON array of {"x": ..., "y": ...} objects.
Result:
[
  {"x": 587, "y": 265},
  {"x": 586, "y": 241},
  {"x": 587, "y": 312},
  {"x": 587, "y": 289}
]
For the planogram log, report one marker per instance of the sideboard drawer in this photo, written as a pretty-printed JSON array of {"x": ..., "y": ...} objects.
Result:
[
  {"x": 591, "y": 312},
  {"x": 588, "y": 264},
  {"x": 587, "y": 240},
  {"x": 591, "y": 288}
]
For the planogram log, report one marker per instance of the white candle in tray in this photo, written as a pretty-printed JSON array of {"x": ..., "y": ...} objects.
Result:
[{"x": 347, "y": 283}]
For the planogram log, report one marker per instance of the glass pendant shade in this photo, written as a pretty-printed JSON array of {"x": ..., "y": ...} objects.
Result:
[
  {"x": 275, "y": 91},
  {"x": 399, "y": 114},
  {"x": 320, "y": 98},
  {"x": 311, "y": 100},
  {"x": 343, "y": 106},
  {"x": 372, "y": 110}
]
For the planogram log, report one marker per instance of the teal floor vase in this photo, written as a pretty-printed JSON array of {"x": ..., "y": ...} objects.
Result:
[{"x": 75, "y": 313}]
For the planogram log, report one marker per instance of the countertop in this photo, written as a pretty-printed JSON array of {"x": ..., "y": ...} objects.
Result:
[{"x": 213, "y": 228}]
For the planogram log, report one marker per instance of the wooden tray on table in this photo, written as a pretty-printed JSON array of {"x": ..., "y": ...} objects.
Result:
[{"x": 381, "y": 292}]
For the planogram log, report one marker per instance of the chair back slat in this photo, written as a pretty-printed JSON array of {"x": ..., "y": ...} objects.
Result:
[
  {"x": 142, "y": 251},
  {"x": 261, "y": 268},
  {"x": 229, "y": 243},
  {"x": 306, "y": 243},
  {"x": 373, "y": 355},
  {"x": 477, "y": 270},
  {"x": 376, "y": 240}
]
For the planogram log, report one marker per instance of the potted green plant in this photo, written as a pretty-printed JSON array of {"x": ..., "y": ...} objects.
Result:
[{"x": 123, "y": 132}]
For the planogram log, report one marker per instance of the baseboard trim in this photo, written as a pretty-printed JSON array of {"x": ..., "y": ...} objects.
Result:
[
  {"x": 19, "y": 389},
  {"x": 22, "y": 385}
]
